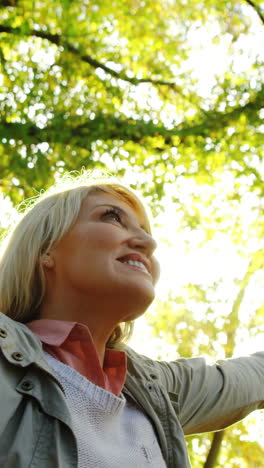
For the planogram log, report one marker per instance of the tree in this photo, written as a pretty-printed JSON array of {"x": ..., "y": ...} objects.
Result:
[{"x": 115, "y": 84}]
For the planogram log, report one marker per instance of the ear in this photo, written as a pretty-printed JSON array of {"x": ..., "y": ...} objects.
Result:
[{"x": 47, "y": 261}]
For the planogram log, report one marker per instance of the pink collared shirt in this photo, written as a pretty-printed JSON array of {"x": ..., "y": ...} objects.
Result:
[{"x": 72, "y": 344}]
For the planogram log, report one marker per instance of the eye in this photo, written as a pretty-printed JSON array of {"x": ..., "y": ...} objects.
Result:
[{"x": 114, "y": 214}]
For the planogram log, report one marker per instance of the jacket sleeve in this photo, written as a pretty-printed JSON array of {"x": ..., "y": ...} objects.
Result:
[{"x": 212, "y": 397}]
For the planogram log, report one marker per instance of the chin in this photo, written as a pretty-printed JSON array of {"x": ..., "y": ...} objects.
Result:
[
  {"x": 137, "y": 312},
  {"x": 143, "y": 292},
  {"x": 132, "y": 317}
]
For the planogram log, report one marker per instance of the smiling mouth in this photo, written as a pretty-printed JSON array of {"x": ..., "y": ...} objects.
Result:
[{"x": 139, "y": 266}]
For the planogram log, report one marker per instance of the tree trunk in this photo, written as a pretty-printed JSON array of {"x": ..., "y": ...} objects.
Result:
[{"x": 214, "y": 449}]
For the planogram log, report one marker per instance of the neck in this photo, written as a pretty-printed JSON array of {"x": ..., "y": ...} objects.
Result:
[{"x": 98, "y": 319}]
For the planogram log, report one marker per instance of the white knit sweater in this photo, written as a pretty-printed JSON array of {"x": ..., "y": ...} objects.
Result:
[{"x": 111, "y": 432}]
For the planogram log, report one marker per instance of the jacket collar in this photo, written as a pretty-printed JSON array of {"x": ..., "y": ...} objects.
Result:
[{"x": 19, "y": 345}]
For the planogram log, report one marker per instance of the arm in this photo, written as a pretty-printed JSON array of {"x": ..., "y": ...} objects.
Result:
[{"x": 211, "y": 397}]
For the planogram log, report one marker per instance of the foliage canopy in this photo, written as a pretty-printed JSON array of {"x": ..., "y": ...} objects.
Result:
[{"x": 127, "y": 83}]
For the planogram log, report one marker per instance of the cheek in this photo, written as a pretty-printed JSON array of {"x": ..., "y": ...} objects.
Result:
[
  {"x": 103, "y": 239},
  {"x": 87, "y": 247},
  {"x": 98, "y": 238}
]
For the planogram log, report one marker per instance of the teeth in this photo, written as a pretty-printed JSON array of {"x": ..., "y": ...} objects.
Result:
[{"x": 138, "y": 264}]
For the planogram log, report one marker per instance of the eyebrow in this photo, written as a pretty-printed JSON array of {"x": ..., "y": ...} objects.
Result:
[{"x": 121, "y": 211}]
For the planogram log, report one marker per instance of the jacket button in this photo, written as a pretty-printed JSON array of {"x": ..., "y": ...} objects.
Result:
[
  {"x": 153, "y": 376},
  {"x": 27, "y": 385},
  {"x": 3, "y": 333},
  {"x": 17, "y": 356},
  {"x": 150, "y": 386}
]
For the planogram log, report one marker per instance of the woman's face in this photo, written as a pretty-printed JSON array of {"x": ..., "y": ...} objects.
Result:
[{"x": 92, "y": 257}]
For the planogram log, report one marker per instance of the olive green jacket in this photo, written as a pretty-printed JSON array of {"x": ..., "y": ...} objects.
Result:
[{"x": 185, "y": 396}]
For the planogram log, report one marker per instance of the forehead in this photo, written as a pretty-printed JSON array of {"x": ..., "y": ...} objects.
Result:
[{"x": 100, "y": 199}]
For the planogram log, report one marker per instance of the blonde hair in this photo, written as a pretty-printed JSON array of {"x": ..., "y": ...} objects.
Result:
[{"x": 47, "y": 218}]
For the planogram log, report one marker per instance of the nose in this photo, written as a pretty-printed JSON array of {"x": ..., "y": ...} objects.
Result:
[{"x": 144, "y": 242}]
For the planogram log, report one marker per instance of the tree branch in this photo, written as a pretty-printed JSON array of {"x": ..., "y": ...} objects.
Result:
[
  {"x": 257, "y": 10},
  {"x": 255, "y": 264},
  {"x": 214, "y": 450},
  {"x": 7, "y": 3},
  {"x": 108, "y": 127},
  {"x": 58, "y": 40}
]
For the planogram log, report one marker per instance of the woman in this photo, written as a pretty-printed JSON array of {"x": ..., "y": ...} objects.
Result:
[{"x": 78, "y": 269}]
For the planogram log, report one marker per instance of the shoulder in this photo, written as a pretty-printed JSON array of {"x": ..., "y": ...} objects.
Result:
[
  {"x": 169, "y": 373},
  {"x": 189, "y": 373},
  {"x": 15, "y": 337},
  {"x": 16, "y": 330},
  {"x": 12, "y": 325}
]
